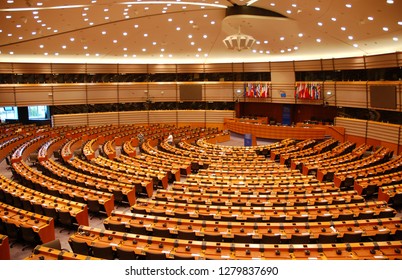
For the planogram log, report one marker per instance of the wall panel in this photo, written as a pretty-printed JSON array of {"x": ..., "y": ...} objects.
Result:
[
  {"x": 353, "y": 127},
  {"x": 381, "y": 61},
  {"x": 162, "y": 116},
  {"x": 191, "y": 116},
  {"x": 69, "y": 119},
  {"x": 133, "y": 92},
  {"x": 351, "y": 94},
  {"x": 33, "y": 95},
  {"x": 218, "y": 116},
  {"x": 163, "y": 92},
  {"x": 95, "y": 119},
  {"x": 220, "y": 91},
  {"x": 383, "y": 131},
  {"x": 7, "y": 97},
  {"x": 137, "y": 117},
  {"x": 69, "y": 94},
  {"x": 102, "y": 93}
]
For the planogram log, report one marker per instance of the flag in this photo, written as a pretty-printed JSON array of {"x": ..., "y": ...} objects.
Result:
[
  {"x": 264, "y": 91},
  {"x": 245, "y": 90}
]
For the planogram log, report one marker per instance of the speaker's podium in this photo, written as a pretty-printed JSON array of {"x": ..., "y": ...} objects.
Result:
[{"x": 250, "y": 140}]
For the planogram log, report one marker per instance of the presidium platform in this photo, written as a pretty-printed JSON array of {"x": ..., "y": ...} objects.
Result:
[{"x": 260, "y": 129}]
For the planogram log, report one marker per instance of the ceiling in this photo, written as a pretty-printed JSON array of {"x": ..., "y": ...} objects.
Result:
[{"x": 89, "y": 31}]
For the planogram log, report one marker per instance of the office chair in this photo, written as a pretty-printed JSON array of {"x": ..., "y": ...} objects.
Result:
[
  {"x": 299, "y": 239},
  {"x": 79, "y": 247},
  {"x": 327, "y": 238},
  {"x": 267, "y": 238},
  {"x": 125, "y": 253},
  {"x": 103, "y": 251}
]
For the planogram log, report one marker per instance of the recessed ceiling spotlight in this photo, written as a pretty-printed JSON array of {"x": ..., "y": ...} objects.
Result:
[
  {"x": 190, "y": 36},
  {"x": 300, "y": 35},
  {"x": 125, "y": 33},
  {"x": 41, "y": 46},
  {"x": 265, "y": 41},
  {"x": 385, "y": 28},
  {"x": 135, "y": 25},
  {"x": 350, "y": 37},
  {"x": 317, "y": 8},
  {"x": 64, "y": 47},
  {"x": 395, "y": 39},
  {"x": 154, "y": 43},
  {"x": 390, "y": 1},
  {"x": 320, "y": 24},
  {"x": 289, "y": 11},
  {"x": 72, "y": 39},
  {"x": 145, "y": 34},
  {"x": 205, "y": 36},
  {"x": 343, "y": 28},
  {"x": 282, "y": 38},
  {"x": 212, "y": 22},
  {"x": 348, "y": 5},
  {"x": 115, "y": 41},
  {"x": 370, "y": 18},
  {"x": 318, "y": 40},
  {"x": 103, "y": 32},
  {"x": 178, "y": 28},
  {"x": 355, "y": 45},
  {"x": 333, "y": 19}
]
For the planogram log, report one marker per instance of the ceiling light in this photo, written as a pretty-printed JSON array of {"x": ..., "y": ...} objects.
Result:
[{"x": 239, "y": 41}]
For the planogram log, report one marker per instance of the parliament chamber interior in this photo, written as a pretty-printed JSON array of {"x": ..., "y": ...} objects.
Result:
[{"x": 285, "y": 147}]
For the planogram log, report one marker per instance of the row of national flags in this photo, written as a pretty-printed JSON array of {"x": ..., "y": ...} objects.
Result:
[
  {"x": 308, "y": 91},
  {"x": 256, "y": 90}
]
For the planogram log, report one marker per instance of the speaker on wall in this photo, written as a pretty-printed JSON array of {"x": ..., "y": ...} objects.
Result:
[
  {"x": 190, "y": 92},
  {"x": 383, "y": 97}
]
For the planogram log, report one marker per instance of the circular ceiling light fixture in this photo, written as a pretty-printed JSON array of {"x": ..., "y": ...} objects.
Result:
[{"x": 239, "y": 41}]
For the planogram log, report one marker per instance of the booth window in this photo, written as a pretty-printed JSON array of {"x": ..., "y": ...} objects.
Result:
[{"x": 38, "y": 112}]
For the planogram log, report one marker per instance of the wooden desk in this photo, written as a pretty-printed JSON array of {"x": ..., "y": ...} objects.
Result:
[
  {"x": 142, "y": 244},
  {"x": 41, "y": 252},
  {"x": 275, "y": 132},
  {"x": 4, "y": 247},
  {"x": 228, "y": 229},
  {"x": 243, "y": 212},
  {"x": 43, "y": 225}
]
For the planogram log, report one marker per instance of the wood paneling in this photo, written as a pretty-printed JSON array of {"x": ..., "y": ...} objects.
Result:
[
  {"x": 7, "y": 97},
  {"x": 352, "y": 94}
]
